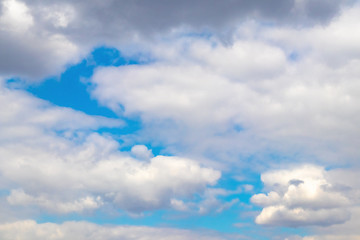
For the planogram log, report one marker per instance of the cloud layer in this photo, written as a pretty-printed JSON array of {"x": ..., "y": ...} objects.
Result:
[
  {"x": 30, "y": 230},
  {"x": 76, "y": 27}
]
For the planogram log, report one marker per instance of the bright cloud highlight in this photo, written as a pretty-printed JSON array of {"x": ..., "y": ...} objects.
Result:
[{"x": 301, "y": 196}]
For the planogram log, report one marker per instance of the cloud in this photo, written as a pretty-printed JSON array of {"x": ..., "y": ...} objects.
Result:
[
  {"x": 22, "y": 111},
  {"x": 210, "y": 202},
  {"x": 344, "y": 180},
  {"x": 71, "y": 182},
  {"x": 30, "y": 230},
  {"x": 265, "y": 90},
  {"x": 52, "y": 158},
  {"x": 19, "y": 57},
  {"x": 196, "y": 14},
  {"x": 16, "y": 16},
  {"x": 19, "y": 197},
  {"x": 301, "y": 196},
  {"x": 77, "y": 27},
  {"x": 336, "y": 53},
  {"x": 236, "y": 87},
  {"x": 141, "y": 152}
]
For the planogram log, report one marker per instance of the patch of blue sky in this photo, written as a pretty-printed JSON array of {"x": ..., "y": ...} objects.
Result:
[
  {"x": 205, "y": 34},
  {"x": 222, "y": 222},
  {"x": 293, "y": 56},
  {"x": 294, "y": 231},
  {"x": 238, "y": 128},
  {"x": 4, "y": 192},
  {"x": 71, "y": 88}
]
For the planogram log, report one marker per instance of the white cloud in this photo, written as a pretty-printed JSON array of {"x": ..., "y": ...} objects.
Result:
[
  {"x": 301, "y": 196},
  {"x": 16, "y": 16},
  {"x": 141, "y": 152},
  {"x": 59, "y": 177},
  {"x": 242, "y": 61},
  {"x": 50, "y": 158},
  {"x": 283, "y": 92},
  {"x": 59, "y": 15},
  {"x": 19, "y": 197},
  {"x": 297, "y": 217},
  {"x": 24, "y": 116},
  {"x": 348, "y": 181},
  {"x": 313, "y": 42},
  {"x": 30, "y": 230}
]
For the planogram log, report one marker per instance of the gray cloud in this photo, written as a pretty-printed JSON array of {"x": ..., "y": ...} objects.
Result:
[
  {"x": 154, "y": 16},
  {"x": 75, "y": 27}
]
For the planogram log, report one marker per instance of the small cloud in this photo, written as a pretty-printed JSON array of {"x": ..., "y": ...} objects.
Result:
[
  {"x": 298, "y": 198},
  {"x": 248, "y": 187},
  {"x": 179, "y": 205},
  {"x": 141, "y": 152}
]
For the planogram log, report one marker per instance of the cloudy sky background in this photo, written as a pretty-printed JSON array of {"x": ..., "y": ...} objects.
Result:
[{"x": 179, "y": 119}]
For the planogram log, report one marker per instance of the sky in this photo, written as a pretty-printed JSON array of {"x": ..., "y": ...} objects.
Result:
[{"x": 181, "y": 120}]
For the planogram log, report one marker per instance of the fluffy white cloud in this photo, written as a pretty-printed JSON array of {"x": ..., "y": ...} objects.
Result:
[
  {"x": 347, "y": 181},
  {"x": 283, "y": 93},
  {"x": 89, "y": 174},
  {"x": 30, "y": 230},
  {"x": 50, "y": 158},
  {"x": 302, "y": 196}
]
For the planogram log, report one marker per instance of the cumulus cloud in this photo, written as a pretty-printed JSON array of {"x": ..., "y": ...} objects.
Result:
[
  {"x": 90, "y": 174},
  {"x": 282, "y": 92},
  {"x": 30, "y": 230},
  {"x": 347, "y": 181},
  {"x": 50, "y": 158},
  {"x": 301, "y": 196}
]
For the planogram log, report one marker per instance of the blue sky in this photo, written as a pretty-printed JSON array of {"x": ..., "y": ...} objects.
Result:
[{"x": 179, "y": 120}]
